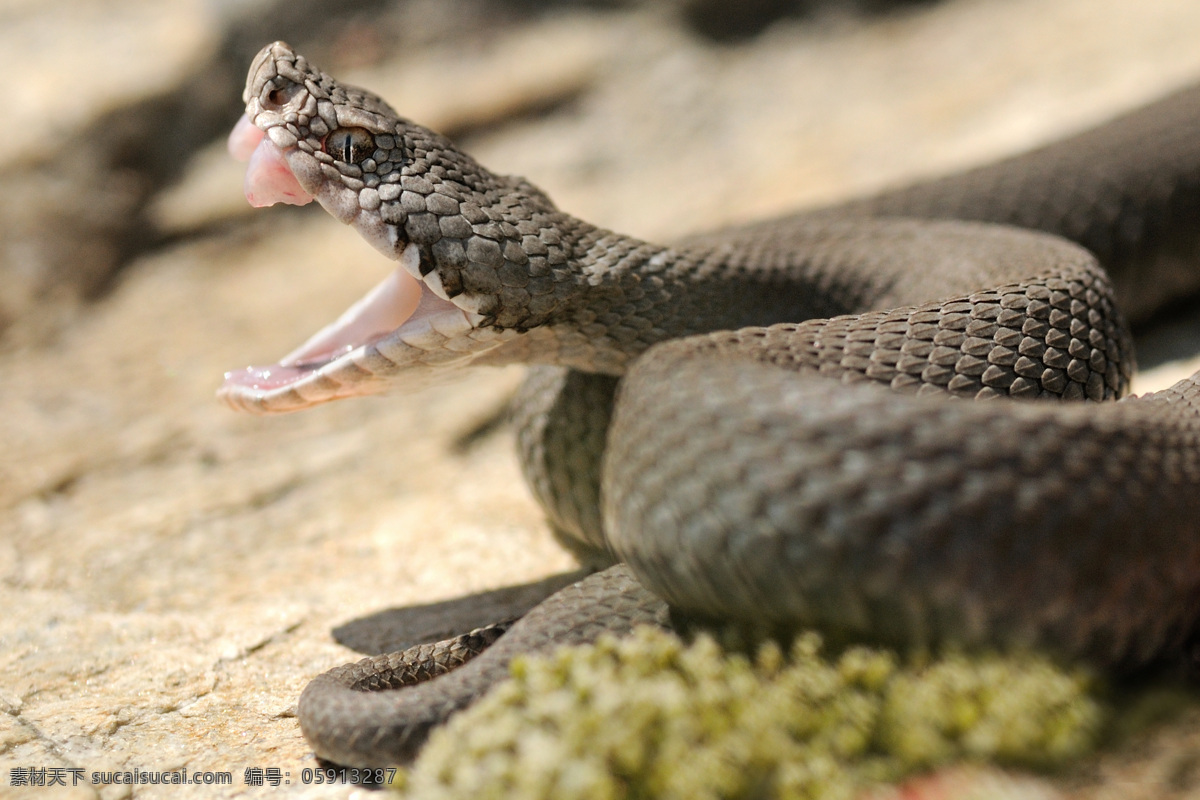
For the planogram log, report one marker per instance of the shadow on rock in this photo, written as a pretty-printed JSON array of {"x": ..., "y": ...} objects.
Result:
[{"x": 396, "y": 629}]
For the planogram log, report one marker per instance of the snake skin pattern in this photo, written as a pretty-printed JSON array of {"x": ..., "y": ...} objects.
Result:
[{"x": 766, "y": 425}]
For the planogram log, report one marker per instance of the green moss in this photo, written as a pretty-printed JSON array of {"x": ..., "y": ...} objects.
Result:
[{"x": 651, "y": 717}]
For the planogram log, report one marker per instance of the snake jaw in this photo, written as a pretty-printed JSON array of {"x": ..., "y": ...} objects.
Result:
[{"x": 398, "y": 326}]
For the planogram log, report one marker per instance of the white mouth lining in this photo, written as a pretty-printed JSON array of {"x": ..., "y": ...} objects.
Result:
[
  {"x": 380, "y": 311},
  {"x": 401, "y": 319}
]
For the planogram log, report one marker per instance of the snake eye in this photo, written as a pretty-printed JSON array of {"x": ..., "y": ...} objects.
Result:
[{"x": 349, "y": 145}]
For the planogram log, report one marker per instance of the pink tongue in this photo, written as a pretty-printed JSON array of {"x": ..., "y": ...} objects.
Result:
[
  {"x": 269, "y": 180},
  {"x": 244, "y": 137}
]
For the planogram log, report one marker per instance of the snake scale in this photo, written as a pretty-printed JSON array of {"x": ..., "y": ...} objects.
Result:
[{"x": 766, "y": 425}]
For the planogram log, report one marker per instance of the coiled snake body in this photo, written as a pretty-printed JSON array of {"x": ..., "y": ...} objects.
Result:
[{"x": 787, "y": 447}]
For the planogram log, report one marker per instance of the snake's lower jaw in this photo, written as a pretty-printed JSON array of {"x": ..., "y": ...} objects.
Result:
[{"x": 278, "y": 389}]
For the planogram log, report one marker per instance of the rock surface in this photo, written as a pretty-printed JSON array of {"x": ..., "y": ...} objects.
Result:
[{"x": 173, "y": 570}]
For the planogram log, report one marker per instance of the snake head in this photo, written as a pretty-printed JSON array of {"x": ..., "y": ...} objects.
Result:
[{"x": 481, "y": 260}]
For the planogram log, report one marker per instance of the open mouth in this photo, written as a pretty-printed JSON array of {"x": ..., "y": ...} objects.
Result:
[{"x": 402, "y": 322}]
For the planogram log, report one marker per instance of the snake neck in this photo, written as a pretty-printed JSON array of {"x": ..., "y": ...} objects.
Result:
[{"x": 617, "y": 295}]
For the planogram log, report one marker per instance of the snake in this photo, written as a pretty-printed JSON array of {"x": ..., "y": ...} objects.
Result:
[{"x": 857, "y": 419}]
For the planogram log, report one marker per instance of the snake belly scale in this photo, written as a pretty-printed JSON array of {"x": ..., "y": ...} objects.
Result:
[{"x": 767, "y": 424}]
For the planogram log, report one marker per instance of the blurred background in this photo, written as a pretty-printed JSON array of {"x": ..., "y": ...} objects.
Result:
[{"x": 175, "y": 572}]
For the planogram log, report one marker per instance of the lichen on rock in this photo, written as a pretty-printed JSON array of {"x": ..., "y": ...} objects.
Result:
[{"x": 652, "y": 717}]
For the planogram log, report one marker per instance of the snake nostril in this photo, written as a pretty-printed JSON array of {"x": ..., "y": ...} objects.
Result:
[{"x": 278, "y": 97}]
